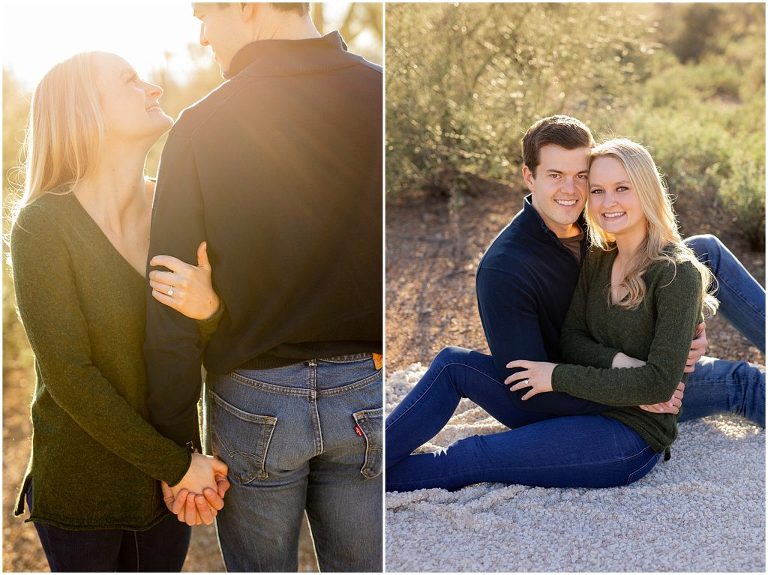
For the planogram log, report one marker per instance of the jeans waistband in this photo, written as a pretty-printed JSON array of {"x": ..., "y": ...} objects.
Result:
[
  {"x": 274, "y": 363},
  {"x": 327, "y": 376},
  {"x": 346, "y": 358}
]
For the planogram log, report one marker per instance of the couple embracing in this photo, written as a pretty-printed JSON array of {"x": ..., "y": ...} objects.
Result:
[
  {"x": 592, "y": 305},
  {"x": 272, "y": 183}
]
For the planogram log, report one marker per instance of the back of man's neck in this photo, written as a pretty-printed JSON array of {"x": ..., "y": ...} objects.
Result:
[{"x": 294, "y": 29}]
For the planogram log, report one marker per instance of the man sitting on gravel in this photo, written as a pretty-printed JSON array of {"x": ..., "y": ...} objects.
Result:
[
  {"x": 525, "y": 283},
  {"x": 524, "y": 288}
]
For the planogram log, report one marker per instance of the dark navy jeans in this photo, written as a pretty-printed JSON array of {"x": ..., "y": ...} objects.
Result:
[
  {"x": 305, "y": 437},
  {"x": 567, "y": 451},
  {"x": 162, "y": 548},
  {"x": 538, "y": 449}
]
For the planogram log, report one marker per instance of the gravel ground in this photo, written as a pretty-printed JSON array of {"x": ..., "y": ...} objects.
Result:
[{"x": 704, "y": 510}]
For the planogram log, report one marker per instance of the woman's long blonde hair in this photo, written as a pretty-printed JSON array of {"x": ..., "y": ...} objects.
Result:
[
  {"x": 65, "y": 129},
  {"x": 662, "y": 241}
]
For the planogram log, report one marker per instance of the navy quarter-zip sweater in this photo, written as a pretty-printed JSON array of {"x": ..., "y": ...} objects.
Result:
[
  {"x": 280, "y": 171},
  {"x": 525, "y": 282}
]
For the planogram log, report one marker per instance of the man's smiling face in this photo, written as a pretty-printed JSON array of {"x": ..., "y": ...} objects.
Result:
[{"x": 559, "y": 187}]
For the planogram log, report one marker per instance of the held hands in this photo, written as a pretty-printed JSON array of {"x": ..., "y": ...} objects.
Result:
[
  {"x": 199, "y": 496},
  {"x": 186, "y": 288},
  {"x": 193, "y": 508},
  {"x": 536, "y": 374},
  {"x": 698, "y": 348}
]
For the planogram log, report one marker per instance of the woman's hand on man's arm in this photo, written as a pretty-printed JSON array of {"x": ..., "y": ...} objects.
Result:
[{"x": 186, "y": 288}]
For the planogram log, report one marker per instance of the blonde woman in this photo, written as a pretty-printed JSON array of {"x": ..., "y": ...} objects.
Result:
[
  {"x": 640, "y": 296},
  {"x": 79, "y": 247},
  {"x": 639, "y": 292}
]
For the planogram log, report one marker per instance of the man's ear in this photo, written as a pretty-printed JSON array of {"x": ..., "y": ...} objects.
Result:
[{"x": 528, "y": 177}]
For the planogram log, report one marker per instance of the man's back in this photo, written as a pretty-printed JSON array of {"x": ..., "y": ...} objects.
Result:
[{"x": 279, "y": 170}]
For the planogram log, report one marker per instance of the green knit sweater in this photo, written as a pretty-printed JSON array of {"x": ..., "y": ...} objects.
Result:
[
  {"x": 95, "y": 458},
  {"x": 658, "y": 332}
]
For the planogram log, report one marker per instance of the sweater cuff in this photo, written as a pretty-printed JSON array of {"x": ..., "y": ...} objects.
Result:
[
  {"x": 560, "y": 378},
  {"x": 178, "y": 467},
  {"x": 604, "y": 358},
  {"x": 207, "y": 327},
  {"x": 556, "y": 379}
]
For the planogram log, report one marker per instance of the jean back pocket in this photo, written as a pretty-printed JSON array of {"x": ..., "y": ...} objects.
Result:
[
  {"x": 370, "y": 422},
  {"x": 241, "y": 439}
]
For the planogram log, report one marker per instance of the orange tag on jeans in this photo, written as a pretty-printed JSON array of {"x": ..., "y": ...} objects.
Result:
[{"x": 377, "y": 360}]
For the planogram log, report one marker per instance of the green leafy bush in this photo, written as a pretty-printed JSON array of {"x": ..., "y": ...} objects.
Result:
[{"x": 465, "y": 81}]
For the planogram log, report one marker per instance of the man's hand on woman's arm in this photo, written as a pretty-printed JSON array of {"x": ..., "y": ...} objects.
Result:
[
  {"x": 698, "y": 347},
  {"x": 672, "y": 406}
]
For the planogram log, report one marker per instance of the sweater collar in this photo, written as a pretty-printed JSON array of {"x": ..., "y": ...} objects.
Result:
[{"x": 289, "y": 57}]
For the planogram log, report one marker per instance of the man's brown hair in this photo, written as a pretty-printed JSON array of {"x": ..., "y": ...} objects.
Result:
[{"x": 563, "y": 131}]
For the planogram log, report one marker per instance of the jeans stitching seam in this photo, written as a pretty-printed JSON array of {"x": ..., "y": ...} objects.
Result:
[
  {"x": 263, "y": 470},
  {"x": 636, "y": 471},
  {"x": 268, "y": 387},
  {"x": 601, "y": 462},
  {"x": 738, "y": 294},
  {"x": 362, "y": 417},
  {"x": 313, "y": 395},
  {"x": 350, "y": 386},
  {"x": 342, "y": 360},
  {"x": 138, "y": 555},
  {"x": 265, "y": 422}
]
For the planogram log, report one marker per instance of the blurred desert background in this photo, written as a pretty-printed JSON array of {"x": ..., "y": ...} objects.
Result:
[{"x": 186, "y": 72}]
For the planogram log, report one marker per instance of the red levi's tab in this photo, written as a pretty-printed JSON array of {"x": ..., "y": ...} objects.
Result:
[{"x": 358, "y": 430}]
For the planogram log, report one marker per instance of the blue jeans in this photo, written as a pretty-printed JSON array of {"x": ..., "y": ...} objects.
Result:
[
  {"x": 718, "y": 385},
  {"x": 722, "y": 386},
  {"x": 742, "y": 299},
  {"x": 161, "y": 548},
  {"x": 541, "y": 449},
  {"x": 538, "y": 449},
  {"x": 305, "y": 437}
]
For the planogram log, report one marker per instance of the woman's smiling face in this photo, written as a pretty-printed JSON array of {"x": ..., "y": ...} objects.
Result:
[
  {"x": 613, "y": 202},
  {"x": 130, "y": 106}
]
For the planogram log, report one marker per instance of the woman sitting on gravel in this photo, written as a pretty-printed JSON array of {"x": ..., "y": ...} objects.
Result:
[{"x": 640, "y": 296}]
